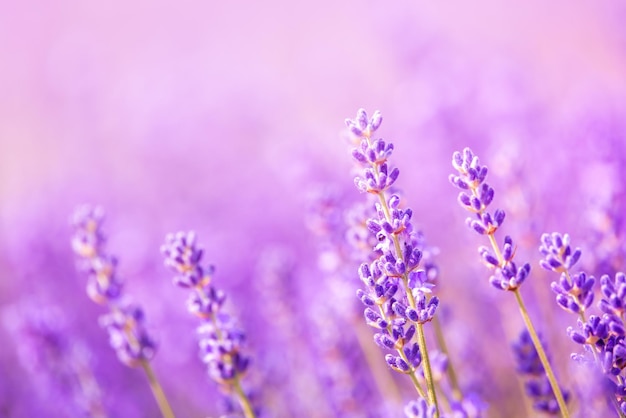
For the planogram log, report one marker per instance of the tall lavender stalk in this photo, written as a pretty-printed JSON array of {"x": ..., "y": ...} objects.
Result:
[
  {"x": 221, "y": 340},
  {"x": 397, "y": 294},
  {"x": 604, "y": 337},
  {"x": 125, "y": 319},
  {"x": 476, "y": 196}
]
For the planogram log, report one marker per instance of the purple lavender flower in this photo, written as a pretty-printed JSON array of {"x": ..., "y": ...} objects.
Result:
[
  {"x": 558, "y": 255},
  {"x": 529, "y": 365},
  {"x": 221, "y": 340},
  {"x": 476, "y": 196},
  {"x": 419, "y": 409},
  {"x": 614, "y": 292},
  {"x": 471, "y": 406},
  {"x": 396, "y": 289},
  {"x": 88, "y": 240},
  {"x": 592, "y": 332},
  {"x": 125, "y": 320},
  {"x": 184, "y": 257},
  {"x": 471, "y": 178},
  {"x": 220, "y": 349},
  {"x": 574, "y": 292},
  {"x": 605, "y": 336},
  {"x": 58, "y": 364},
  {"x": 127, "y": 333},
  {"x": 343, "y": 240},
  {"x": 602, "y": 337},
  {"x": 124, "y": 323}
]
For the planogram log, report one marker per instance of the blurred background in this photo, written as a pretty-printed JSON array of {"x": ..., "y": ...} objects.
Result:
[{"x": 228, "y": 118}]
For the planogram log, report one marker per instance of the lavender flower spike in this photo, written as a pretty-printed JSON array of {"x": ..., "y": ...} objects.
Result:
[
  {"x": 397, "y": 294},
  {"x": 221, "y": 340},
  {"x": 475, "y": 197},
  {"x": 125, "y": 320},
  {"x": 537, "y": 385},
  {"x": 605, "y": 337},
  {"x": 574, "y": 292},
  {"x": 558, "y": 255}
]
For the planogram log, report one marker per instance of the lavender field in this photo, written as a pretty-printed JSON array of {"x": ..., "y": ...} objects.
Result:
[{"x": 332, "y": 209}]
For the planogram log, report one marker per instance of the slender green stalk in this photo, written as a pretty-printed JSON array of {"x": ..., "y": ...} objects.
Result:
[
  {"x": 441, "y": 342},
  {"x": 243, "y": 400},
  {"x": 542, "y": 355},
  {"x": 157, "y": 390},
  {"x": 432, "y": 395}
]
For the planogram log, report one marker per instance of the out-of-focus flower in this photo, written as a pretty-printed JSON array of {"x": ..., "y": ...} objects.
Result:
[
  {"x": 530, "y": 367},
  {"x": 125, "y": 322},
  {"x": 57, "y": 362},
  {"x": 221, "y": 340}
]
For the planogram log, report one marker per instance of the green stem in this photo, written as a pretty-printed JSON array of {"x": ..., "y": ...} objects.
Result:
[
  {"x": 432, "y": 396},
  {"x": 243, "y": 400},
  {"x": 542, "y": 355},
  {"x": 441, "y": 342},
  {"x": 157, "y": 390}
]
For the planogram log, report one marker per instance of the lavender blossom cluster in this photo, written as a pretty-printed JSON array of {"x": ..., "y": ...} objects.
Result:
[{"x": 369, "y": 312}]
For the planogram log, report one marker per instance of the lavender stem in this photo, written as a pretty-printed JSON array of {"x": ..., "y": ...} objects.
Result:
[
  {"x": 542, "y": 354},
  {"x": 157, "y": 390},
  {"x": 243, "y": 400},
  {"x": 421, "y": 339},
  {"x": 441, "y": 342}
]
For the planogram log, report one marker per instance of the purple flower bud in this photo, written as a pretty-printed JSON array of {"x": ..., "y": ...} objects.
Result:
[
  {"x": 384, "y": 341},
  {"x": 487, "y": 257},
  {"x": 477, "y": 226},
  {"x": 361, "y": 119},
  {"x": 125, "y": 320},
  {"x": 359, "y": 156},
  {"x": 365, "y": 298},
  {"x": 375, "y": 121}
]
